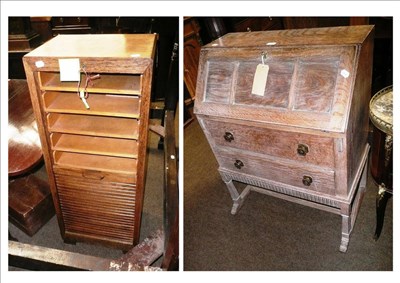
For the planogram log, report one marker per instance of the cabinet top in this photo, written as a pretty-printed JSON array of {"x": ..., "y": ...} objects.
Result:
[
  {"x": 98, "y": 45},
  {"x": 317, "y": 36}
]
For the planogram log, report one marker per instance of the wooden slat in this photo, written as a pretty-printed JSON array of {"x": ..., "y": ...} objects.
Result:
[
  {"x": 96, "y": 207},
  {"x": 100, "y": 104},
  {"x": 93, "y": 125},
  {"x": 96, "y": 162},
  {"x": 94, "y": 145},
  {"x": 108, "y": 83},
  {"x": 109, "y": 231},
  {"x": 111, "y": 193},
  {"x": 105, "y": 218}
]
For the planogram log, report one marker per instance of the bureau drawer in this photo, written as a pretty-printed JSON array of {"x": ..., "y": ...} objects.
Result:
[
  {"x": 295, "y": 146},
  {"x": 298, "y": 175}
]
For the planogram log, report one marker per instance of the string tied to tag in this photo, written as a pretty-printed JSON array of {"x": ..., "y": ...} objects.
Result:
[
  {"x": 263, "y": 57},
  {"x": 260, "y": 76},
  {"x": 83, "y": 94}
]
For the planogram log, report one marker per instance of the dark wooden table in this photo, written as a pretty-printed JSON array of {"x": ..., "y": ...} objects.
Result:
[
  {"x": 24, "y": 149},
  {"x": 30, "y": 204}
]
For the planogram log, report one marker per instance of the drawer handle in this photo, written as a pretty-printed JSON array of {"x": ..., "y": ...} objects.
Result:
[
  {"x": 239, "y": 164},
  {"x": 93, "y": 174},
  {"x": 228, "y": 137},
  {"x": 302, "y": 149},
  {"x": 307, "y": 180}
]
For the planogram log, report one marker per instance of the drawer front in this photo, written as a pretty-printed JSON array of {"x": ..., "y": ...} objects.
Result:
[
  {"x": 305, "y": 177},
  {"x": 295, "y": 146},
  {"x": 95, "y": 207}
]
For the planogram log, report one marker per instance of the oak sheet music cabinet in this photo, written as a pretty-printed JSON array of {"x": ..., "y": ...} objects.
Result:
[
  {"x": 303, "y": 136},
  {"x": 95, "y": 157}
]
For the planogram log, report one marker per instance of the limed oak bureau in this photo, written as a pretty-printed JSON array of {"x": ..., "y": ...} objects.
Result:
[
  {"x": 286, "y": 112},
  {"x": 91, "y": 97}
]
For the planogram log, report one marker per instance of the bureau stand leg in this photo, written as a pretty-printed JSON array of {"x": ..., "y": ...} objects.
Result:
[
  {"x": 237, "y": 198},
  {"x": 350, "y": 211},
  {"x": 345, "y": 233}
]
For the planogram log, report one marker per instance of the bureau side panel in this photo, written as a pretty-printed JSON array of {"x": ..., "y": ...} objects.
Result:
[{"x": 357, "y": 131}]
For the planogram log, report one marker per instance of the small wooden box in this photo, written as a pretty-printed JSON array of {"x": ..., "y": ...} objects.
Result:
[
  {"x": 304, "y": 137},
  {"x": 30, "y": 205},
  {"x": 95, "y": 157}
]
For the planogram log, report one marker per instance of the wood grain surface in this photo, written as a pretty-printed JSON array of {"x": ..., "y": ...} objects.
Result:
[
  {"x": 280, "y": 144},
  {"x": 279, "y": 170},
  {"x": 344, "y": 35},
  {"x": 305, "y": 137},
  {"x": 311, "y": 85},
  {"x": 96, "y": 157},
  {"x": 24, "y": 148}
]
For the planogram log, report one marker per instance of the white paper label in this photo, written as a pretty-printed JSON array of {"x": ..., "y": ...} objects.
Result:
[
  {"x": 39, "y": 64},
  {"x": 260, "y": 79},
  {"x": 69, "y": 70},
  {"x": 345, "y": 73}
]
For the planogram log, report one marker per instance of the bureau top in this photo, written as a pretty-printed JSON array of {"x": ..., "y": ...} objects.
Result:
[
  {"x": 317, "y": 36},
  {"x": 98, "y": 45}
]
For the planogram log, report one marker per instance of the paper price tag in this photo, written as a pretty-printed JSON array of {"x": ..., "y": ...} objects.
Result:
[
  {"x": 82, "y": 97},
  {"x": 69, "y": 70},
  {"x": 260, "y": 80}
]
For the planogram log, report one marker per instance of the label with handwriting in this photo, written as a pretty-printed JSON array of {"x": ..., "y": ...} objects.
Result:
[{"x": 260, "y": 80}]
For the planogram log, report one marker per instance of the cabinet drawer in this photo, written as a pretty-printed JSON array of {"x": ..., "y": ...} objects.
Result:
[
  {"x": 295, "y": 146},
  {"x": 298, "y": 175}
]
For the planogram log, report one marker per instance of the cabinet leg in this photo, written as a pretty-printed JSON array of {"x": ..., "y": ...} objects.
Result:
[
  {"x": 345, "y": 233},
  {"x": 349, "y": 211},
  {"x": 70, "y": 241},
  {"x": 237, "y": 198},
  {"x": 381, "y": 201}
]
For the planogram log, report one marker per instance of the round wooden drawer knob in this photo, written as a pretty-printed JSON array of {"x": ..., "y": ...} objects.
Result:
[
  {"x": 302, "y": 149},
  {"x": 307, "y": 180},
  {"x": 228, "y": 137},
  {"x": 239, "y": 164}
]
